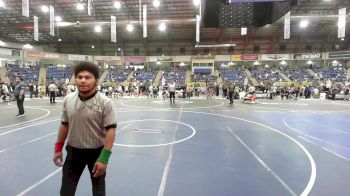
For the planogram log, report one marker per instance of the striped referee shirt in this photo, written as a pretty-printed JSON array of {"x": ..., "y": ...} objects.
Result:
[{"x": 88, "y": 120}]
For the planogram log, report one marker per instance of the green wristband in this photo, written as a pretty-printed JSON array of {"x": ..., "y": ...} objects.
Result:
[{"x": 104, "y": 156}]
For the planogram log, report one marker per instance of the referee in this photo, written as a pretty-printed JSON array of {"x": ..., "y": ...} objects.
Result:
[{"x": 88, "y": 122}]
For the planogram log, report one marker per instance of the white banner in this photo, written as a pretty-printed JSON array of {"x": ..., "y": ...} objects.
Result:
[
  {"x": 287, "y": 26},
  {"x": 113, "y": 29},
  {"x": 36, "y": 28},
  {"x": 274, "y": 57},
  {"x": 244, "y": 31},
  {"x": 89, "y": 7},
  {"x": 25, "y": 8},
  {"x": 198, "y": 24},
  {"x": 144, "y": 21},
  {"x": 342, "y": 23},
  {"x": 4, "y": 51},
  {"x": 107, "y": 58},
  {"x": 75, "y": 57},
  {"x": 52, "y": 20},
  {"x": 140, "y": 12}
]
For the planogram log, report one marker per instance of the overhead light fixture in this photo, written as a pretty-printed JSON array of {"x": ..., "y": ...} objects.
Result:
[
  {"x": 2, "y": 43},
  {"x": 92, "y": 46},
  {"x": 98, "y": 29},
  {"x": 196, "y": 2},
  {"x": 256, "y": 63},
  {"x": 342, "y": 39},
  {"x": 162, "y": 27},
  {"x": 304, "y": 23},
  {"x": 44, "y": 8},
  {"x": 59, "y": 39},
  {"x": 309, "y": 62},
  {"x": 119, "y": 49},
  {"x": 158, "y": 63},
  {"x": 28, "y": 46},
  {"x": 335, "y": 62},
  {"x": 130, "y": 27},
  {"x": 182, "y": 64},
  {"x": 283, "y": 63},
  {"x": 156, "y": 3},
  {"x": 58, "y": 19},
  {"x": 80, "y": 6},
  {"x": 117, "y": 4},
  {"x": 2, "y": 4}
]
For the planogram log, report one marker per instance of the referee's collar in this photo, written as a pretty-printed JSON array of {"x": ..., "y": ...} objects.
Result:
[{"x": 87, "y": 98}]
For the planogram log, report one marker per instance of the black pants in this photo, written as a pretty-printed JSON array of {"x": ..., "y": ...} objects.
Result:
[
  {"x": 52, "y": 96},
  {"x": 74, "y": 166},
  {"x": 20, "y": 105},
  {"x": 230, "y": 96},
  {"x": 172, "y": 97}
]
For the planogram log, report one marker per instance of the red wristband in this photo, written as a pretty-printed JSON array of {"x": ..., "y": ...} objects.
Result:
[{"x": 59, "y": 146}]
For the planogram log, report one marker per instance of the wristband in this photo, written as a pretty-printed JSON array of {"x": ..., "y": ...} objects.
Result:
[
  {"x": 104, "y": 156},
  {"x": 59, "y": 146}
]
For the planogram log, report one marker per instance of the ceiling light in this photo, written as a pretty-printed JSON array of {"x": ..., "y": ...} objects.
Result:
[
  {"x": 309, "y": 62},
  {"x": 304, "y": 23},
  {"x": 80, "y": 6},
  {"x": 283, "y": 63},
  {"x": 28, "y": 46},
  {"x": 58, "y": 19},
  {"x": 342, "y": 39},
  {"x": 59, "y": 39},
  {"x": 182, "y": 64},
  {"x": 158, "y": 63},
  {"x": 130, "y": 27},
  {"x": 156, "y": 3},
  {"x": 117, "y": 4},
  {"x": 92, "y": 46},
  {"x": 98, "y": 29},
  {"x": 119, "y": 49},
  {"x": 335, "y": 62},
  {"x": 162, "y": 27},
  {"x": 196, "y": 2},
  {"x": 2, "y": 4},
  {"x": 256, "y": 63},
  {"x": 2, "y": 43},
  {"x": 44, "y": 8}
]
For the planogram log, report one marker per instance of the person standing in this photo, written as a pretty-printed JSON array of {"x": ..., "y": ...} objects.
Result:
[
  {"x": 53, "y": 89},
  {"x": 19, "y": 95},
  {"x": 172, "y": 88},
  {"x": 231, "y": 90},
  {"x": 89, "y": 122}
]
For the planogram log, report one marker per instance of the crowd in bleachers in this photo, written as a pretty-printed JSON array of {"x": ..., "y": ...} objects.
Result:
[
  {"x": 335, "y": 72},
  {"x": 300, "y": 74},
  {"x": 232, "y": 74},
  {"x": 177, "y": 75},
  {"x": 117, "y": 75},
  {"x": 59, "y": 73},
  {"x": 266, "y": 74},
  {"x": 28, "y": 73}
]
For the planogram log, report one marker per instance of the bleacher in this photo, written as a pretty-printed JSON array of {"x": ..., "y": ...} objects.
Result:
[
  {"x": 58, "y": 73},
  {"x": 232, "y": 75},
  {"x": 298, "y": 75},
  {"x": 336, "y": 73},
  {"x": 203, "y": 78},
  {"x": 141, "y": 75},
  {"x": 178, "y": 75},
  {"x": 29, "y": 74},
  {"x": 266, "y": 75},
  {"x": 117, "y": 76}
]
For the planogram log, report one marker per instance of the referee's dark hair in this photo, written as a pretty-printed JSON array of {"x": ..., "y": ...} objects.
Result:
[{"x": 86, "y": 66}]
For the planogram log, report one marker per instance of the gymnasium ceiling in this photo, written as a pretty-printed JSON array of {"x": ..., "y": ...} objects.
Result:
[{"x": 179, "y": 16}]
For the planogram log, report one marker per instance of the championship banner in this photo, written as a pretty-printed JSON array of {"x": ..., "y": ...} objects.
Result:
[
  {"x": 275, "y": 57},
  {"x": 245, "y": 57},
  {"x": 198, "y": 23},
  {"x": 203, "y": 57},
  {"x": 165, "y": 58},
  {"x": 342, "y": 23},
  {"x": 107, "y": 58},
  {"x": 135, "y": 59},
  {"x": 36, "y": 28},
  {"x": 287, "y": 26},
  {"x": 52, "y": 20},
  {"x": 244, "y": 31},
  {"x": 307, "y": 56},
  {"x": 75, "y": 57},
  {"x": 339, "y": 55},
  {"x": 43, "y": 55},
  {"x": 144, "y": 21},
  {"x": 113, "y": 29},
  {"x": 25, "y": 8}
]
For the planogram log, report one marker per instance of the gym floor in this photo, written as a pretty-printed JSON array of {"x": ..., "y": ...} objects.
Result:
[{"x": 195, "y": 147}]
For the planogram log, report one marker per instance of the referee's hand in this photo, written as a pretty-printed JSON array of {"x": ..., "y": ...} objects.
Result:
[{"x": 57, "y": 159}]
